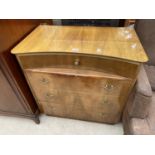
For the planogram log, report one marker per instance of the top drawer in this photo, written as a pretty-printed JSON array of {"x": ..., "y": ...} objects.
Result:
[{"x": 63, "y": 60}]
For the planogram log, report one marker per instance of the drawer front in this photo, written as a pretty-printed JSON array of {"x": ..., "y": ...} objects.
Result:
[
  {"x": 84, "y": 107},
  {"x": 45, "y": 84},
  {"x": 109, "y": 65},
  {"x": 94, "y": 97}
]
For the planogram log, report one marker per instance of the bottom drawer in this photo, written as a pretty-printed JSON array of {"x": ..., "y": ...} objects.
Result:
[{"x": 84, "y": 107}]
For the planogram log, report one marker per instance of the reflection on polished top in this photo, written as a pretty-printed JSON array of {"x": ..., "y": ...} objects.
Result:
[{"x": 104, "y": 41}]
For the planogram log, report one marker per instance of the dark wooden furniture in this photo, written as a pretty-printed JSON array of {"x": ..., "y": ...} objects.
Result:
[
  {"x": 82, "y": 72},
  {"x": 91, "y": 22},
  {"x": 15, "y": 96}
]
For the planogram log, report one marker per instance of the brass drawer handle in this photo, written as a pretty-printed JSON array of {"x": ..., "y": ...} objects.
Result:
[
  {"x": 104, "y": 100},
  {"x": 108, "y": 87},
  {"x": 102, "y": 114},
  {"x": 44, "y": 81},
  {"x": 50, "y": 95},
  {"x": 76, "y": 62}
]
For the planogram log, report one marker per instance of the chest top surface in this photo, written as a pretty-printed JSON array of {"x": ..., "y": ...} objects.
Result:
[{"x": 120, "y": 43}]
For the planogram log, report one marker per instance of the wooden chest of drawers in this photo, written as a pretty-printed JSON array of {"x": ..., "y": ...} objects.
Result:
[{"x": 84, "y": 73}]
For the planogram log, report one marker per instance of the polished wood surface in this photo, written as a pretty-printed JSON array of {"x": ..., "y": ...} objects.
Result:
[
  {"x": 112, "y": 42},
  {"x": 70, "y": 75}
]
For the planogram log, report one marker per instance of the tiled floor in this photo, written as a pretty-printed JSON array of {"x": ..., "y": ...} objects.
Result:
[{"x": 54, "y": 125}]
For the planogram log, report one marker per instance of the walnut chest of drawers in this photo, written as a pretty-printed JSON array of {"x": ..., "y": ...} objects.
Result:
[{"x": 83, "y": 73}]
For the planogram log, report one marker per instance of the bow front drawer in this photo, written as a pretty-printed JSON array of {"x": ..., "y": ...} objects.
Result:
[{"x": 80, "y": 61}]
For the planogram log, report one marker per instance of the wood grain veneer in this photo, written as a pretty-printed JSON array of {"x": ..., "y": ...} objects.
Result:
[
  {"x": 84, "y": 73},
  {"x": 112, "y": 42}
]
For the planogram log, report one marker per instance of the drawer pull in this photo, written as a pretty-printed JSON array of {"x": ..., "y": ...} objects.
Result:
[
  {"x": 50, "y": 96},
  {"x": 44, "y": 81},
  {"x": 76, "y": 62},
  {"x": 105, "y": 101},
  {"x": 108, "y": 87},
  {"x": 102, "y": 114}
]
